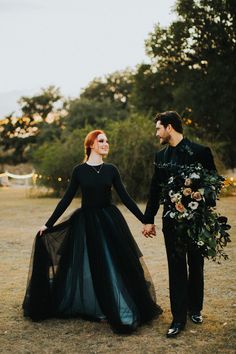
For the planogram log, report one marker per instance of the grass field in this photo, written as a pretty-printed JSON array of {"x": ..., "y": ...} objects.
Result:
[{"x": 21, "y": 217}]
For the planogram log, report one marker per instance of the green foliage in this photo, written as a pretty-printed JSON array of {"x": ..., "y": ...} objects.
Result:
[
  {"x": 41, "y": 104},
  {"x": 54, "y": 161},
  {"x": 132, "y": 149},
  {"x": 152, "y": 91},
  {"x": 84, "y": 111},
  {"x": 197, "y": 55},
  {"x": 17, "y": 134},
  {"x": 190, "y": 198},
  {"x": 116, "y": 87},
  {"x": 191, "y": 71}
]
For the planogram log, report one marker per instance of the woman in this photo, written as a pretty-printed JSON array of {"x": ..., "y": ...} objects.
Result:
[{"x": 90, "y": 265}]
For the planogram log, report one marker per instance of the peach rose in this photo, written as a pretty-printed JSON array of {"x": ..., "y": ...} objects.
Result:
[
  {"x": 197, "y": 196},
  {"x": 180, "y": 207},
  {"x": 187, "y": 191}
]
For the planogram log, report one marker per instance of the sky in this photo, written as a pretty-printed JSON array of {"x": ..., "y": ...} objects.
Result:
[{"x": 67, "y": 43}]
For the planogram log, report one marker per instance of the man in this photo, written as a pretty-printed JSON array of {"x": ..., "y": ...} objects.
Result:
[{"x": 185, "y": 276}]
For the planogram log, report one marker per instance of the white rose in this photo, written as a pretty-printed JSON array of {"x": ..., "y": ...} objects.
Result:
[
  {"x": 194, "y": 175},
  {"x": 177, "y": 196},
  {"x": 171, "y": 194},
  {"x": 193, "y": 205}
]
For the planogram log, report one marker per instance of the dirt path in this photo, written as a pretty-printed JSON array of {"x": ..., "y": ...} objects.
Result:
[{"x": 21, "y": 217}]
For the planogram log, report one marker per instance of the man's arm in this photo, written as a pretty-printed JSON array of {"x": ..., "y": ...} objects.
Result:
[{"x": 206, "y": 159}]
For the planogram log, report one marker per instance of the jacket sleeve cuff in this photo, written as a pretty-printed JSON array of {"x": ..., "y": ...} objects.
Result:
[{"x": 148, "y": 219}]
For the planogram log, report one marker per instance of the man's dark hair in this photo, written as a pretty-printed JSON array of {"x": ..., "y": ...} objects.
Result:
[{"x": 170, "y": 117}]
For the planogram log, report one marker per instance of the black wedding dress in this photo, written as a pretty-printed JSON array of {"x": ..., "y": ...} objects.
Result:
[{"x": 89, "y": 265}]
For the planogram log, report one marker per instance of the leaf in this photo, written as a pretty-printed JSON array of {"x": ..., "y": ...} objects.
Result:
[
  {"x": 222, "y": 219},
  {"x": 226, "y": 227},
  {"x": 211, "y": 253}
]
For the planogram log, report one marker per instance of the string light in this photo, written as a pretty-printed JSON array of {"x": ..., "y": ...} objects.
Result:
[{"x": 32, "y": 175}]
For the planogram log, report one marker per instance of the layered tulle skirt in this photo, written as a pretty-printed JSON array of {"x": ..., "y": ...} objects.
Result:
[{"x": 90, "y": 266}]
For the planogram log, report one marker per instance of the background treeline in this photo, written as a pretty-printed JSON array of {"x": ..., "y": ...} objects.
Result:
[{"x": 191, "y": 70}]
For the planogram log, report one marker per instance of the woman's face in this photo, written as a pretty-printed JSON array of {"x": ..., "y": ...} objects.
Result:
[{"x": 101, "y": 145}]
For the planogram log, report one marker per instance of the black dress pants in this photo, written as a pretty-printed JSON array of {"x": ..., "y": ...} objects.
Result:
[{"x": 186, "y": 283}]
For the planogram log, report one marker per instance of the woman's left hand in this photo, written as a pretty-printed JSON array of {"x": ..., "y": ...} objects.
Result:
[{"x": 42, "y": 229}]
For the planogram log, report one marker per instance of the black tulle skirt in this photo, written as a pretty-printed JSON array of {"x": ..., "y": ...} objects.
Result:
[{"x": 90, "y": 266}]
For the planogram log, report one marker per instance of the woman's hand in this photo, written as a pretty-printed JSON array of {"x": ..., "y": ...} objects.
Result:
[
  {"x": 42, "y": 229},
  {"x": 149, "y": 230}
]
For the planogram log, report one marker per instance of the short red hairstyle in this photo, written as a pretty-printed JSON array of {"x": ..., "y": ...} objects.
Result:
[{"x": 89, "y": 140}]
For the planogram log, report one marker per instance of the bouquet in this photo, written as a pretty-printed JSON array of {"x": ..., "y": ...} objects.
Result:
[{"x": 190, "y": 198}]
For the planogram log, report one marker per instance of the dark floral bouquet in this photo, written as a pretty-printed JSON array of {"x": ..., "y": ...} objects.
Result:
[{"x": 190, "y": 198}]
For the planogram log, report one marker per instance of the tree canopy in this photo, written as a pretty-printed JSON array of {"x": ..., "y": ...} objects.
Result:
[
  {"x": 196, "y": 56},
  {"x": 191, "y": 70}
]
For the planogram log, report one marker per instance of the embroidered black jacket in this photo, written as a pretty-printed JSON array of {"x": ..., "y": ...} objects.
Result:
[{"x": 166, "y": 165}]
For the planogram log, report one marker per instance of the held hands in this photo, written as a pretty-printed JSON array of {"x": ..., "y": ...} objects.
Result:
[
  {"x": 149, "y": 230},
  {"x": 42, "y": 229}
]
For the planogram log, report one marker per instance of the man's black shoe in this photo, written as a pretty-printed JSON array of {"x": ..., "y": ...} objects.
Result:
[
  {"x": 175, "y": 329},
  {"x": 196, "y": 318}
]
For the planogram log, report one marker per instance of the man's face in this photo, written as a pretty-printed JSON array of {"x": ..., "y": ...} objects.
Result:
[{"x": 162, "y": 133}]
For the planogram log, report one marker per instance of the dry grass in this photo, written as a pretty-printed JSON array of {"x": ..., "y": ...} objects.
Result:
[{"x": 21, "y": 217}]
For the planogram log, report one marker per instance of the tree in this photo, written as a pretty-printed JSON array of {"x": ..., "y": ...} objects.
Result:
[
  {"x": 152, "y": 90},
  {"x": 116, "y": 87},
  {"x": 198, "y": 54},
  {"x": 40, "y": 106},
  {"x": 132, "y": 149},
  {"x": 55, "y": 160},
  {"x": 102, "y": 100},
  {"x": 130, "y": 141},
  {"x": 84, "y": 111},
  {"x": 18, "y": 133}
]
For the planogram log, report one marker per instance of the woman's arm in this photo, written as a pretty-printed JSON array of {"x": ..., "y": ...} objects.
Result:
[
  {"x": 154, "y": 196},
  {"x": 66, "y": 199},
  {"x": 124, "y": 196}
]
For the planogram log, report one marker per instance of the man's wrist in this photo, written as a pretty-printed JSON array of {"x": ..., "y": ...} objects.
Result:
[{"x": 148, "y": 220}]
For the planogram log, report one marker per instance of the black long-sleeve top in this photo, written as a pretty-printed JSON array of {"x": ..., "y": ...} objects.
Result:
[
  {"x": 166, "y": 163},
  {"x": 96, "y": 190}
]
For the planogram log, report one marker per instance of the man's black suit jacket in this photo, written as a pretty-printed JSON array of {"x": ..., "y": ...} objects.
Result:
[{"x": 166, "y": 163}]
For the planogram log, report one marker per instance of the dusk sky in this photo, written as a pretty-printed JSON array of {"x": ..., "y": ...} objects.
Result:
[{"x": 67, "y": 43}]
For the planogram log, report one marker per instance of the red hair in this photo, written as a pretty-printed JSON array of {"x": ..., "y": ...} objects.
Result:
[{"x": 89, "y": 140}]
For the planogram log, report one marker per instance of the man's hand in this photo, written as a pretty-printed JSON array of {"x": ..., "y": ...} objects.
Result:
[{"x": 149, "y": 230}]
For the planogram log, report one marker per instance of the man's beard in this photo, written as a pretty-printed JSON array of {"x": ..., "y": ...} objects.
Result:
[{"x": 165, "y": 140}]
